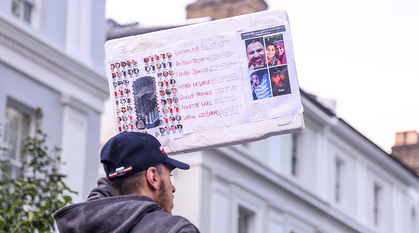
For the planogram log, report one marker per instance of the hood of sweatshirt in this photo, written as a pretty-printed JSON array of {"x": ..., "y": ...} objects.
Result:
[{"x": 104, "y": 212}]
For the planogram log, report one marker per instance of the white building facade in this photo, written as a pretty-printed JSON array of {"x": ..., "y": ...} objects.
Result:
[
  {"x": 328, "y": 178},
  {"x": 52, "y": 57}
]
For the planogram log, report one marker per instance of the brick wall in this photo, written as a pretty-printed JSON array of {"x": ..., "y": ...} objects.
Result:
[
  {"x": 219, "y": 9},
  {"x": 406, "y": 149}
]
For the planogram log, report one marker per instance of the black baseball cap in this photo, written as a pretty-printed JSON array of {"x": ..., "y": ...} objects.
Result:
[{"x": 129, "y": 153}]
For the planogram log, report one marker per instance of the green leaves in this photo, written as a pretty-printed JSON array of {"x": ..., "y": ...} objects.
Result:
[{"x": 28, "y": 202}]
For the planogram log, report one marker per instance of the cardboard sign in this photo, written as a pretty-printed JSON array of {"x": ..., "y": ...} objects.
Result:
[{"x": 208, "y": 85}]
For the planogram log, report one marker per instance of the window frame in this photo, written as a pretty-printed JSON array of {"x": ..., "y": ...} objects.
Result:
[
  {"x": 377, "y": 204},
  {"x": 413, "y": 220},
  {"x": 249, "y": 220},
  {"x": 338, "y": 186},
  {"x": 28, "y": 113},
  {"x": 295, "y": 155},
  {"x": 21, "y": 13}
]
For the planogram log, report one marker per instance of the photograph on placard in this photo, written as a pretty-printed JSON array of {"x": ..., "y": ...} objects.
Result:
[
  {"x": 280, "y": 80},
  {"x": 255, "y": 51},
  {"x": 260, "y": 84},
  {"x": 275, "y": 50}
]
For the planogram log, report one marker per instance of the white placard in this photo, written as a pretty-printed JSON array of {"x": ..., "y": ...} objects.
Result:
[{"x": 202, "y": 86}]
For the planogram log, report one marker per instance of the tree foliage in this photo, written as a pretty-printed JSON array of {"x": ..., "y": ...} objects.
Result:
[{"x": 28, "y": 201}]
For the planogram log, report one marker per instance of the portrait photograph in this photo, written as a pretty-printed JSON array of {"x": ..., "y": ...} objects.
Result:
[
  {"x": 256, "y": 54},
  {"x": 260, "y": 84},
  {"x": 275, "y": 50},
  {"x": 279, "y": 80}
]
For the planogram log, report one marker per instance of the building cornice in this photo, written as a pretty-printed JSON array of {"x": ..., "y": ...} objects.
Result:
[
  {"x": 323, "y": 115},
  {"x": 32, "y": 47}
]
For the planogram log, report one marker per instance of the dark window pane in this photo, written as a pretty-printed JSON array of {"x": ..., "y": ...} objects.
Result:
[
  {"x": 27, "y": 13},
  {"x": 16, "y": 8}
]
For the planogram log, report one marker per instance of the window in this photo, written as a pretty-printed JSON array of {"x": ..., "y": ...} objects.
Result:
[
  {"x": 294, "y": 156},
  {"x": 17, "y": 127},
  {"x": 22, "y": 9},
  {"x": 245, "y": 220},
  {"x": 377, "y": 203},
  {"x": 413, "y": 221},
  {"x": 338, "y": 181}
]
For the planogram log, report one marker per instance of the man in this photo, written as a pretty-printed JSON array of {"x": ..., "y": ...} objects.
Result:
[
  {"x": 280, "y": 83},
  {"x": 260, "y": 85},
  {"x": 255, "y": 53},
  {"x": 136, "y": 196}
]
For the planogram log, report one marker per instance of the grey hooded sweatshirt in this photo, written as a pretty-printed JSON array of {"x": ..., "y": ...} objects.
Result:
[{"x": 105, "y": 212}]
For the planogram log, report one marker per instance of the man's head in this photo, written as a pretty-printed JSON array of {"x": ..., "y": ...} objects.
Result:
[
  {"x": 256, "y": 53},
  {"x": 136, "y": 164},
  {"x": 255, "y": 78},
  {"x": 279, "y": 77}
]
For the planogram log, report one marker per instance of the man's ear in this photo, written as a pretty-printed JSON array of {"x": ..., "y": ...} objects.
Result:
[{"x": 153, "y": 178}]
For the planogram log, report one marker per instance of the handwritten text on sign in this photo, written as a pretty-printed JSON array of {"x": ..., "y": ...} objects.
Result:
[{"x": 209, "y": 82}]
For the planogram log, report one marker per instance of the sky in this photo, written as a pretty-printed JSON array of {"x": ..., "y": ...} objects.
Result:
[{"x": 364, "y": 54}]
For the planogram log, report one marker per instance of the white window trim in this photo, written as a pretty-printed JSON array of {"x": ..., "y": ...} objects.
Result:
[
  {"x": 296, "y": 155},
  {"x": 252, "y": 205},
  {"x": 348, "y": 186},
  {"x": 380, "y": 180},
  {"x": 250, "y": 218},
  {"x": 413, "y": 220},
  {"x": 35, "y": 14},
  {"x": 339, "y": 184},
  {"x": 377, "y": 205},
  {"x": 30, "y": 113}
]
